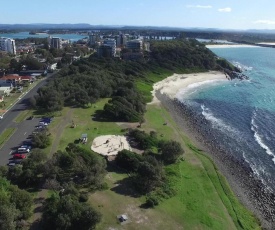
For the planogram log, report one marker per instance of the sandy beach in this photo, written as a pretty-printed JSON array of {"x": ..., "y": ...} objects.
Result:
[
  {"x": 172, "y": 85},
  {"x": 246, "y": 187},
  {"x": 231, "y": 46}
]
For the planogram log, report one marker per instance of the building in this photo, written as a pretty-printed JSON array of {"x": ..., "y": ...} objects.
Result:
[
  {"x": 5, "y": 91},
  {"x": 8, "y": 45},
  {"x": 55, "y": 42},
  {"x": 135, "y": 45},
  {"x": 104, "y": 51},
  {"x": 93, "y": 39},
  {"x": 12, "y": 79},
  {"x": 123, "y": 40},
  {"x": 110, "y": 42}
]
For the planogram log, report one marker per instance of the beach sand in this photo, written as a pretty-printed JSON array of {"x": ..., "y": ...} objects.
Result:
[
  {"x": 170, "y": 86},
  {"x": 246, "y": 187}
]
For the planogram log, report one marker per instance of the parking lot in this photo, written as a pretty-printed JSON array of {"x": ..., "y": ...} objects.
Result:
[{"x": 23, "y": 133}]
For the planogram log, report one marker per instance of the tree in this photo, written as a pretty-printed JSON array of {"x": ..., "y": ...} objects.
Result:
[
  {"x": 23, "y": 201},
  {"x": 128, "y": 160},
  {"x": 8, "y": 216},
  {"x": 150, "y": 175},
  {"x": 170, "y": 151},
  {"x": 66, "y": 212},
  {"x": 41, "y": 140}
]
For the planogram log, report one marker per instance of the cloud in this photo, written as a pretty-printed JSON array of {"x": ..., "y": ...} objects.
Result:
[
  {"x": 227, "y": 10},
  {"x": 199, "y": 6},
  {"x": 267, "y": 22}
]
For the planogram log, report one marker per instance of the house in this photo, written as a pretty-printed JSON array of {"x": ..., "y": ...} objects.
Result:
[
  {"x": 5, "y": 91},
  {"x": 31, "y": 72},
  {"x": 27, "y": 79},
  {"x": 13, "y": 79},
  {"x": 4, "y": 83}
]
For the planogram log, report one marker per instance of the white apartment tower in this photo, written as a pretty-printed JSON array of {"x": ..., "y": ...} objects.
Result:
[{"x": 8, "y": 45}]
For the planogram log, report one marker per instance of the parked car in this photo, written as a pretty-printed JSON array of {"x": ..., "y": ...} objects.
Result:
[
  {"x": 43, "y": 123},
  {"x": 26, "y": 142},
  {"x": 19, "y": 156},
  {"x": 11, "y": 164},
  {"x": 23, "y": 150},
  {"x": 26, "y": 147}
]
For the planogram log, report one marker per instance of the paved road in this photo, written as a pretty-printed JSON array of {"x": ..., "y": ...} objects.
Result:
[{"x": 23, "y": 129}]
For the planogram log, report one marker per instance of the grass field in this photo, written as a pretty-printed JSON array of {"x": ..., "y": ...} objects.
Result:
[
  {"x": 203, "y": 200},
  {"x": 6, "y": 135},
  {"x": 83, "y": 119}
]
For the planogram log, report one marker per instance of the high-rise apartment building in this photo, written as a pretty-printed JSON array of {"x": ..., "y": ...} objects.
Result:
[
  {"x": 111, "y": 43},
  {"x": 55, "y": 42},
  {"x": 8, "y": 45},
  {"x": 136, "y": 45}
]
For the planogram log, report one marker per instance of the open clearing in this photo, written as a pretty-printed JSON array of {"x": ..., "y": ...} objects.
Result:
[{"x": 110, "y": 145}]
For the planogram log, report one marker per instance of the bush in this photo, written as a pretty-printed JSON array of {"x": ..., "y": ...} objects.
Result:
[
  {"x": 152, "y": 200},
  {"x": 83, "y": 197},
  {"x": 170, "y": 151},
  {"x": 128, "y": 160}
]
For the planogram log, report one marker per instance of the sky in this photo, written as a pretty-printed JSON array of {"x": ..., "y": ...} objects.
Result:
[{"x": 222, "y": 14}]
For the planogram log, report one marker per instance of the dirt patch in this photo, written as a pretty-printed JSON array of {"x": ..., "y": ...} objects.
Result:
[{"x": 110, "y": 145}]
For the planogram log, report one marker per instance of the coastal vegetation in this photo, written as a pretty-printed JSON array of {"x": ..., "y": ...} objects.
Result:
[
  {"x": 100, "y": 96},
  {"x": 85, "y": 81}
]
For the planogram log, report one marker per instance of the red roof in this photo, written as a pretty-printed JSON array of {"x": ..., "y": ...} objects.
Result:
[
  {"x": 11, "y": 77},
  {"x": 26, "y": 77}
]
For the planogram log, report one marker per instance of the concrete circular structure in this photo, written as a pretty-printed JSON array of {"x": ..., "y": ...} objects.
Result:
[{"x": 110, "y": 145}]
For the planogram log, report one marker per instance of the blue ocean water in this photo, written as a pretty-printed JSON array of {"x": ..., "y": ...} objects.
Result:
[
  {"x": 22, "y": 35},
  {"x": 243, "y": 112}
]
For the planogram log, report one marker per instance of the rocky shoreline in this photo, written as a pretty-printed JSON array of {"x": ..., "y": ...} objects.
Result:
[{"x": 250, "y": 191}]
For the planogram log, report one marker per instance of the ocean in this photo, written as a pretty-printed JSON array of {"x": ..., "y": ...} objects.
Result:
[{"x": 242, "y": 113}]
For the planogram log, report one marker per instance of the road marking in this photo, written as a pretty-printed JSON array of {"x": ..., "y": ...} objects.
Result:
[
  {"x": 25, "y": 133},
  {"x": 11, "y": 152}
]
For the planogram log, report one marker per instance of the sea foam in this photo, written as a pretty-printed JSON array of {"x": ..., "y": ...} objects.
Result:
[
  {"x": 259, "y": 139},
  {"x": 218, "y": 123}
]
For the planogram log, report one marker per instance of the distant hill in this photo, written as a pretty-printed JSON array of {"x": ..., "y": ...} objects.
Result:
[{"x": 86, "y": 26}]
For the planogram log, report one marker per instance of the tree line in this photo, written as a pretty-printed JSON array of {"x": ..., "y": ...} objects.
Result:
[
  {"x": 71, "y": 174},
  {"x": 87, "y": 80},
  {"x": 147, "y": 171}
]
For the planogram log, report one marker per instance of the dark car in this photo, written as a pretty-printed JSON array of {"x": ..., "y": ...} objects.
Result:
[{"x": 30, "y": 118}]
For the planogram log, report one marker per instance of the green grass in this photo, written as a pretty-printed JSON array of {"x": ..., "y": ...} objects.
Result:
[
  {"x": 145, "y": 86},
  {"x": 6, "y": 135},
  {"x": 242, "y": 217},
  {"x": 23, "y": 116},
  {"x": 204, "y": 199},
  {"x": 85, "y": 124}
]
